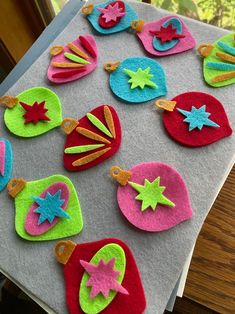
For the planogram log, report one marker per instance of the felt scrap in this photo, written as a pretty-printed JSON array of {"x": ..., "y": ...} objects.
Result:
[
  {"x": 26, "y": 219},
  {"x": 218, "y": 73},
  {"x": 36, "y": 102},
  {"x": 121, "y": 176},
  {"x": 59, "y": 70},
  {"x": 151, "y": 194},
  {"x": 180, "y": 131},
  {"x": 155, "y": 47},
  {"x": 165, "y": 217},
  {"x": 75, "y": 58},
  {"x": 107, "y": 19},
  {"x": 9, "y": 101},
  {"x": 125, "y": 21},
  {"x": 108, "y": 282},
  {"x": 55, "y": 50},
  {"x": 140, "y": 78},
  {"x": 6, "y": 161},
  {"x": 120, "y": 83},
  {"x": 37, "y": 222},
  {"x": 15, "y": 186},
  {"x": 93, "y": 129},
  {"x": 134, "y": 303},
  {"x": 167, "y": 33},
  {"x": 82, "y": 148}
]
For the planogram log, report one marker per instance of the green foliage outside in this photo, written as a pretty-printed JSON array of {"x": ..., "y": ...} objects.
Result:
[{"x": 216, "y": 12}]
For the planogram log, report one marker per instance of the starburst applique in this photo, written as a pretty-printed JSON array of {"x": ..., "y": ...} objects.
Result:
[
  {"x": 111, "y": 13},
  {"x": 166, "y": 33},
  {"x": 50, "y": 207},
  {"x": 197, "y": 118},
  {"x": 103, "y": 278},
  {"x": 34, "y": 113},
  {"x": 140, "y": 78},
  {"x": 151, "y": 193}
]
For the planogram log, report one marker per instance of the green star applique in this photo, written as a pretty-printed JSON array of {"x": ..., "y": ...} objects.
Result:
[
  {"x": 140, "y": 78},
  {"x": 151, "y": 194}
]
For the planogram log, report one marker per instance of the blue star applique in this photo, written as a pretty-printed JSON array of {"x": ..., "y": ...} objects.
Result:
[
  {"x": 197, "y": 118},
  {"x": 50, "y": 207}
]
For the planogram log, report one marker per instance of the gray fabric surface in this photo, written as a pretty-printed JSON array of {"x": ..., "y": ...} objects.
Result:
[{"x": 160, "y": 256}]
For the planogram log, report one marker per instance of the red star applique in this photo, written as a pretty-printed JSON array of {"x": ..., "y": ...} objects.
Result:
[
  {"x": 35, "y": 113},
  {"x": 167, "y": 33}
]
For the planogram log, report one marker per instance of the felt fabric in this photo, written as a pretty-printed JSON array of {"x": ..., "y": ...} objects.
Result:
[
  {"x": 16, "y": 117},
  {"x": 168, "y": 36},
  {"x": 123, "y": 87},
  {"x": 26, "y": 220},
  {"x": 134, "y": 302},
  {"x": 111, "y": 14},
  {"x": 140, "y": 78},
  {"x": 164, "y": 217},
  {"x": 181, "y": 131},
  {"x": 211, "y": 67},
  {"x": 98, "y": 288},
  {"x": 93, "y": 122},
  {"x": 35, "y": 112},
  {"x": 2, "y": 157},
  {"x": 31, "y": 222},
  {"x": 144, "y": 139},
  {"x": 82, "y": 148},
  {"x": 153, "y": 45},
  {"x": 6, "y": 160},
  {"x": 75, "y": 58},
  {"x": 123, "y": 24},
  {"x": 86, "y": 44}
]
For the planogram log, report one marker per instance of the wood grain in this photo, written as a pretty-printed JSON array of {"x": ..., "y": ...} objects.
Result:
[{"x": 211, "y": 278}]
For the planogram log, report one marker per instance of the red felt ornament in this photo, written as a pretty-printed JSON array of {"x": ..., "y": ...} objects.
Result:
[
  {"x": 166, "y": 34},
  {"x": 133, "y": 303},
  {"x": 179, "y": 129},
  {"x": 110, "y": 24},
  {"x": 34, "y": 113},
  {"x": 88, "y": 134}
]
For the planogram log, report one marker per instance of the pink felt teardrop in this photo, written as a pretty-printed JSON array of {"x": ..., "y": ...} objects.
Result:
[
  {"x": 163, "y": 217},
  {"x": 31, "y": 221},
  {"x": 85, "y": 43}
]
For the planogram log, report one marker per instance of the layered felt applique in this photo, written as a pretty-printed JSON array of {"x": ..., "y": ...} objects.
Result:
[
  {"x": 137, "y": 79},
  {"x": 110, "y": 17},
  {"x": 73, "y": 61},
  {"x": 101, "y": 277},
  {"x": 152, "y": 196},
  {"x": 6, "y": 159},
  {"x": 219, "y": 61},
  {"x": 92, "y": 139},
  {"x": 33, "y": 112},
  {"x": 195, "y": 119},
  {"x": 165, "y": 37},
  {"x": 46, "y": 209}
]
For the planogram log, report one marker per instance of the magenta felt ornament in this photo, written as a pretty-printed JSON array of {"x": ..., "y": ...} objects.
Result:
[{"x": 152, "y": 196}]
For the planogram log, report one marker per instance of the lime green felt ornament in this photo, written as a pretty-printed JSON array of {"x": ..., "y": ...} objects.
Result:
[
  {"x": 46, "y": 209},
  {"x": 33, "y": 112}
]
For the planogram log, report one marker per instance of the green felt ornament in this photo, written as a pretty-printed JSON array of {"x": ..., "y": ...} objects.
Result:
[
  {"x": 36, "y": 111},
  {"x": 25, "y": 193}
]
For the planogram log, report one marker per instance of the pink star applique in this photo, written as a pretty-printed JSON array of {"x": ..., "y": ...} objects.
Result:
[
  {"x": 103, "y": 278},
  {"x": 111, "y": 13}
]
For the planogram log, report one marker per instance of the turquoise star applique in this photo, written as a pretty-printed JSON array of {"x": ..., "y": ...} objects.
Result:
[
  {"x": 197, "y": 118},
  {"x": 50, "y": 207},
  {"x": 140, "y": 78},
  {"x": 151, "y": 193}
]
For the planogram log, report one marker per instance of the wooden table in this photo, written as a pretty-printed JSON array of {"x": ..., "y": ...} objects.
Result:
[{"x": 211, "y": 278}]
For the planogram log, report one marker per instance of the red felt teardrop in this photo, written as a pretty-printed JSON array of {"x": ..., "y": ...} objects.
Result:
[
  {"x": 77, "y": 139},
  {"x": 134, "y": 303},
  {"x": 111, "y": 24},
  {"x": 179, "y": 130}
]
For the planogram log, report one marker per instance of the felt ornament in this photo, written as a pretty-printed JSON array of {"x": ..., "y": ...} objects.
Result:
[
  {"x": 74, "y": 60},
  {"x": 196, "y": 119},
  {"x": 46, "y": 209},
  {"x": 165, "y": 37},
  {"x": 33, "y": 112},
  {"x": 92, "y": 139},
  {"x": 6, "y": 159},
  {"x": 101, "y": 277},
  {"x": 219, "y": 61},
  {"x": 137, "y": 79},
  {"x": 153, "y": 196},
  {"x": 110, "y": 17}
]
